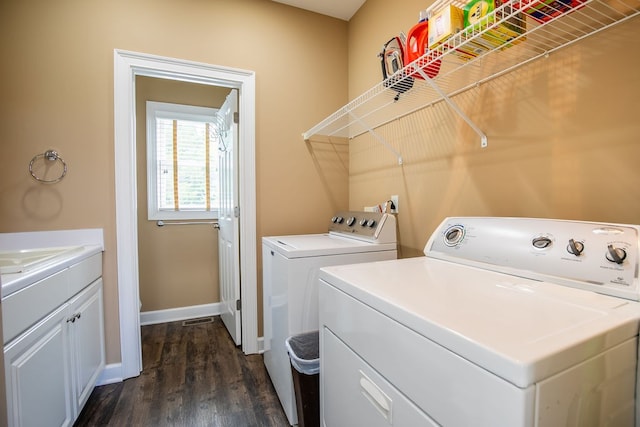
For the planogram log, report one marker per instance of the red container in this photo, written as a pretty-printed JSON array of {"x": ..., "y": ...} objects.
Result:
[{"x": 416, "y": 47}]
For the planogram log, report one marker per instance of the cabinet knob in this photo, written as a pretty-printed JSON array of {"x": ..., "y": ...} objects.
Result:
[{"x": 73, "y": 318}]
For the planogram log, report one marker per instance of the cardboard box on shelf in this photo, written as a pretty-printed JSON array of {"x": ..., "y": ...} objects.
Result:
[
  {"x": 504, "y": 34},
  {"x": 544, "y": 10},
  {"x": 488, "y": 25},
  {"x": 498, "y": 26},
  {"x": 475, "y": 10},
  {"x": 468, "y": 51},
  {"x": 443, "y": 24}
]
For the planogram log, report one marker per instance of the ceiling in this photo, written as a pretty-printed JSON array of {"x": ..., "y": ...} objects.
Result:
[{"x": 342, "y": 9}]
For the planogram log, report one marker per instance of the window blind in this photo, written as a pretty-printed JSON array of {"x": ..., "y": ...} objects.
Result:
[{"x": 187, "y": 167}]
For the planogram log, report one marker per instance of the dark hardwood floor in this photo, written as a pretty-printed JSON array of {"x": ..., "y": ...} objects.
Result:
[{"x": 192, "y": 376}]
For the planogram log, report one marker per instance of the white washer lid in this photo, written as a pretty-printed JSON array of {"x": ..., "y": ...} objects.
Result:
[
  {"x": 519, "y": 329},
  {"x": 307, "y": 245}
]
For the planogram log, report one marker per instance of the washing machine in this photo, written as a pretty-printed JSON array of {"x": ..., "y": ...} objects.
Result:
[
  {"x": 514, "y": 322},
  {"x": 290, "y": 282}
]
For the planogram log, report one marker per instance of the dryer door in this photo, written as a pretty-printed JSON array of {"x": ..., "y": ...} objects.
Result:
[{"x": 354, "y": 394}]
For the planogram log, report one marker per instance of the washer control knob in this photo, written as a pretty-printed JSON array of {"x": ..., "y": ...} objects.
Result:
[
  {"x": 351, "y": 221},
  {"x": 616, "y": 255},
  {"x": 337, "y": 220},
  {"x": 363, "y": 222},
  {"x": 541, "y": 242},
  {"x": 371, "y": 223},
  {"x": 453, "y": 235},
  {"x": 575, "y": 248}
]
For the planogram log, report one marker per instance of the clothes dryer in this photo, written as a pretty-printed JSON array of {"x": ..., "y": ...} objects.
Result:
[{"x": 505, "y": 322}]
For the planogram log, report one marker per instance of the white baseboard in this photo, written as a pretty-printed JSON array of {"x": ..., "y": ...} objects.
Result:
[
  {"x": 112, "y": 373},
  {"x": 181, "y": 313}
]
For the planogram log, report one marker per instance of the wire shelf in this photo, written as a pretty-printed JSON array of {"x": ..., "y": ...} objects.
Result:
[{"x": 382, "y": 104}]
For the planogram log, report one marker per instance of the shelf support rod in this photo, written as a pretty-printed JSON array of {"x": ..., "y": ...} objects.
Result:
[
  {"x": 380, "y": 139},
  {"x": 454, "y": 106}
]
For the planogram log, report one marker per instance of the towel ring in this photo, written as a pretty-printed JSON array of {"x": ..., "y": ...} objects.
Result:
[{"x": 52, "y": 156}]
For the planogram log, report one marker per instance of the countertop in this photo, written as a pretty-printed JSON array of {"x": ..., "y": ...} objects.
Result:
[
  {"x": 13, "y": 282},
  {"x": 89, "y": 241}
]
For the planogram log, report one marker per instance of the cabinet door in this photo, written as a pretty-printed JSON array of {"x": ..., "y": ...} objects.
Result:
[
  {"x": 86, "y": 330},
  {"x": 37, "y": 374}
]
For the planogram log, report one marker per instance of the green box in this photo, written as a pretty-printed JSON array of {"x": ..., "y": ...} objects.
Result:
[{"x": 475, "y": 10}]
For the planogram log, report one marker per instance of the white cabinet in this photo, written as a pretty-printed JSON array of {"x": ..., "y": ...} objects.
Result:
[
  {"x": 37, "y": 374},
  {"x": 51, "y": 366},
  {"x": 86, "y": 324}
]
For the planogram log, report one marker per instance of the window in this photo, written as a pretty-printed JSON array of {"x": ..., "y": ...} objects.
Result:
[{"x": 182, "y": 162}]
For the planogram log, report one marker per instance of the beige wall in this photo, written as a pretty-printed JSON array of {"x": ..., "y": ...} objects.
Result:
[
  {"x": 563, "y": 136},
  {"x": 178, "y": 265},
  {"x": 562, "y": 132},
  {"x": 57, "y": 92}
]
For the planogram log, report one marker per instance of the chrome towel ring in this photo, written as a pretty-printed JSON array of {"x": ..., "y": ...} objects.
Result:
[{"x": 52, "y": 156}]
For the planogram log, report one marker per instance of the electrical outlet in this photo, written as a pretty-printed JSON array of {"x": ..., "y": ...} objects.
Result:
[{"x": 394, "y": 199}]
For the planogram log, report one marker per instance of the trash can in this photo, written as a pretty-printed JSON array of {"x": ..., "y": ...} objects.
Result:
[{"x": 304, "y": 353}]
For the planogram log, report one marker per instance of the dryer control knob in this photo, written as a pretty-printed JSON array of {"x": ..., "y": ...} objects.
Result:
[
  {"x": 351, "y": 221},
  {"x": 616, "y": 255},
  {"x": 541, "y": 242},
  {"x": 454, "y": 235},
  {"x": 575, "y": 248},
  {"x": 371, "y": 223},
  {"x": 363, "y": 222}
]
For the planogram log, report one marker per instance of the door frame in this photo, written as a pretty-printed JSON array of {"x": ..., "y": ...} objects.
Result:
[{"x": 128, "y": 65}]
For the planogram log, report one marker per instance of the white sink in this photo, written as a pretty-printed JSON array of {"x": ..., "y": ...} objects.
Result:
[{"x": 20, "y": 261}]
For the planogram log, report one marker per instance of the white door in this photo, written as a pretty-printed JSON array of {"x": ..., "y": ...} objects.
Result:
[{"x": 228, "y": 216}]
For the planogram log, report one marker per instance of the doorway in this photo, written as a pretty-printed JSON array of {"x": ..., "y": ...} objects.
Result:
[
  {"x": 177, "y": 263},
  {"x": 128, "y": 65}
]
